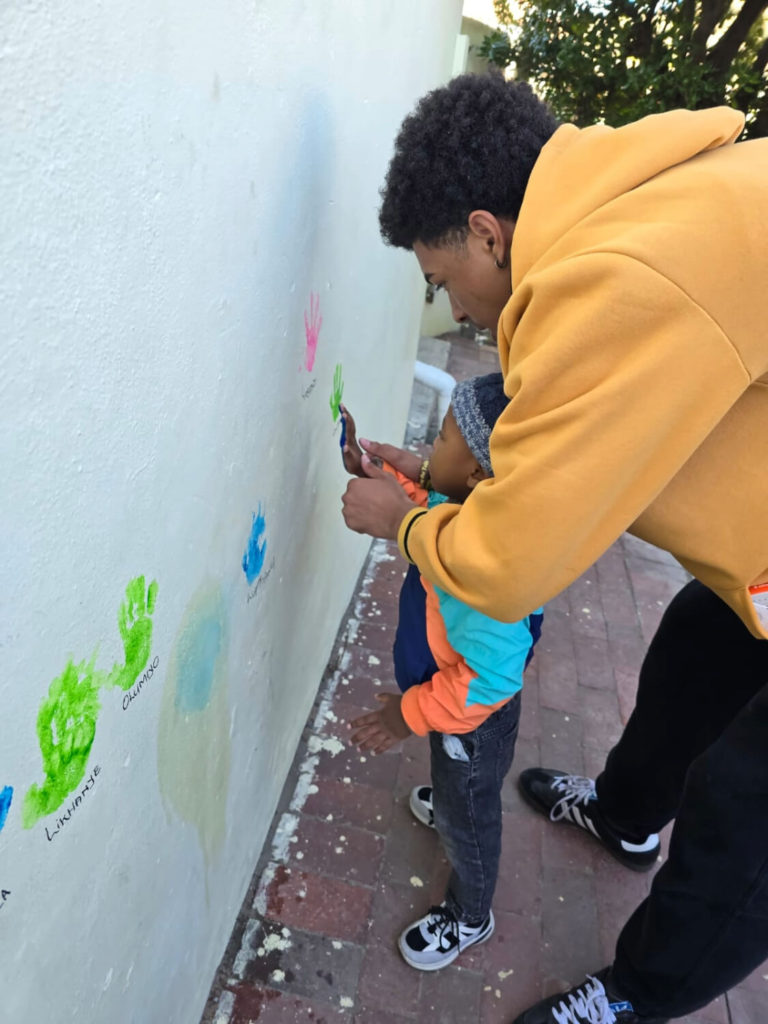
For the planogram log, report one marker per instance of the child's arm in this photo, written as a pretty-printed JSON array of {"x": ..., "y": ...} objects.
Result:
[
  {"x": 352, "y": 456},
  {"x": 379, "y": 730},
  {"x": 405, "y": 463},
  {"x": 466, "y": 689},
  {"x": 481, "y": 667},
  {"x": 414, "y": 491}
]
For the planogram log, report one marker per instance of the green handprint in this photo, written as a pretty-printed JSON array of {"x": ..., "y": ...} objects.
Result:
[
  {"x": 336, "y": 394},
  {"x": 135, "y": 624},
  {"x": 66, "y": 727}
]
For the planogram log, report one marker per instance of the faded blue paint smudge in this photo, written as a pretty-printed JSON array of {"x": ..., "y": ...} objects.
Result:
[
  {"x": 198, "y": 651},
  {"x": 256, "y": 551},
  {"x": 5, "y": 803}
]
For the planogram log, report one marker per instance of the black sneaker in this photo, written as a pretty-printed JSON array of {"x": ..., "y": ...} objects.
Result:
[
  {"x": 421, "y": 805},
  {"x": 435, "y": 940},
  {"x": 592, "y": 1002},
  {"x": 572, "y": 799}
]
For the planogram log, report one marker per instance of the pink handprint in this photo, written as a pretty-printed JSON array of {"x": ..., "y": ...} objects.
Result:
[{"x": 312, "y": 329}]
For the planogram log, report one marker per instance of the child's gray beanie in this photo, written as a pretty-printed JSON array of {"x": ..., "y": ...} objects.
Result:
[{"x": 477, "y": 403}]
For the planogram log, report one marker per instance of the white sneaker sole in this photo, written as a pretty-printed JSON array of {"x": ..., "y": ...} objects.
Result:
[{"x": 450, "y": 957}]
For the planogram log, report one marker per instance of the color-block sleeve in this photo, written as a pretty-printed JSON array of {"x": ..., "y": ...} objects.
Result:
[
  {"x": 617, "y": 377},
  {"x": 411, "y": 488},
  {"x": 481, "y": 663}
]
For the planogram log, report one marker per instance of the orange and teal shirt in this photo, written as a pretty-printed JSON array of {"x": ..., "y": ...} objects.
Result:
[{"x": 454, "y": 664}]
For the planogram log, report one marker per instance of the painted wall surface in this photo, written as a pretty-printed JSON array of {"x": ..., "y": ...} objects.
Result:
[{"x": 192, "y": 276}]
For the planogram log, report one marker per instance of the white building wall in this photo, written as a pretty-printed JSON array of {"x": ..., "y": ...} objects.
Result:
[{"x": 189, "y": 243}]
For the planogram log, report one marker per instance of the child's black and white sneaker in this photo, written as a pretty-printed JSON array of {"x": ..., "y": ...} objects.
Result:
[
  {"x": 435, "y": 940},
  {"x": 592, "y": 1002},
  {"x": 571, "y": 799},
  {"x": 421, "y": 805}
]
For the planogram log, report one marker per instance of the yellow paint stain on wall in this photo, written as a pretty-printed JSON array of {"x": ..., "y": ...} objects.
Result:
[{"x": 193, "y": 751}]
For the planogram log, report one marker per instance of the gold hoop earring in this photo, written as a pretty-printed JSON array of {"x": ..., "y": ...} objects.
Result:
[{"x": 503, "y": 265}]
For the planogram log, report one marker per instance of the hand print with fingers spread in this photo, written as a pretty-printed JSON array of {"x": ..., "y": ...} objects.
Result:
[
  {"x": 66, "y": 722},
  {"x": 134, "y": 620},
  {"x": 312, "y": 325},
  {"x": 255, "y": 552},
  {"x": 66, "y": 728},
  {"x": 337, "y": 393}
]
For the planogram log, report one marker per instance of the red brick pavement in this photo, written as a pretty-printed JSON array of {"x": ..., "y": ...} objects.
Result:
[{"x": 348, "y": 867}]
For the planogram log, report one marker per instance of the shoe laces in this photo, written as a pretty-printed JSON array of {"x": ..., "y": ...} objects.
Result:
[
  {"x": 589, "y": 1001},
  {"x": 575, "y": 789},
  {"x": 442, "y": 920}
]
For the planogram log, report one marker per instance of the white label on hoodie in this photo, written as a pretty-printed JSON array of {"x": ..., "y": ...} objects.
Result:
[{"x": 760, "y": 601}]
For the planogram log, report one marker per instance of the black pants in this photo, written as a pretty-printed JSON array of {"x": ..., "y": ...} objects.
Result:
[
  {"x": 467, "y": 775},
  {"x": 695, "y": 749}
]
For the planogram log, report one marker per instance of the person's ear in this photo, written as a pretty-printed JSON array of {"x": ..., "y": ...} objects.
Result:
[
  {"x": 494, "y": 234},
  {"x": 477, "y": 474}
]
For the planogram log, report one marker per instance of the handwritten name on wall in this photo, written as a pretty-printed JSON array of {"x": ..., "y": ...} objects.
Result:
[
  {"x": 260, "y": 582},
  {"x": 62, "y": 819},
  {"x": 134, "y": 692},
  {"x": 66, "y": 721}
]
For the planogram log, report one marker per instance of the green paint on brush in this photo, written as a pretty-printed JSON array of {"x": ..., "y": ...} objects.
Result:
[
  {"x": 135, "y": 624},
  {"x": 66, "y": 727},
  {"x": 336, "y": 394}
]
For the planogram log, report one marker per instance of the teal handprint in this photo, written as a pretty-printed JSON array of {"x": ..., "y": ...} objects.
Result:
[
  {"x": 66, "y": 726},
  {"x": 337, "y": 393},
  {"x": 134, "y": 620}
]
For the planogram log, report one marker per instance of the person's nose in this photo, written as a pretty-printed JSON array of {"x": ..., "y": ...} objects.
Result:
[{"x": 457, "y": 312}]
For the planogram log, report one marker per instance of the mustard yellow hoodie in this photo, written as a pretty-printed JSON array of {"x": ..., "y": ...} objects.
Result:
[{"x": 635, "y": 349}]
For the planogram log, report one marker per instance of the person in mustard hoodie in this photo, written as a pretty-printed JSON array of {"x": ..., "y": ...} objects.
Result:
[
  {"x": 461, "y": 674},
  {"x": 624, "y": 273}
]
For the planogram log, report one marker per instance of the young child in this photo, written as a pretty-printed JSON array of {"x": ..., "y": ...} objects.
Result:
[{"x": 461, "y": 674}]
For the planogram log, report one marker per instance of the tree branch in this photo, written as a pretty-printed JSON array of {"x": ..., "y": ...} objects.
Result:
[
  {"x": 725, "y": 49},
  {"x": 687, "y": 18},
  {"x": 712, "y": 12}
]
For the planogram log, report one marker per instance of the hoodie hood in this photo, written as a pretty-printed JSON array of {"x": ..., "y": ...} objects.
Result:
[{"x": 581, "y": 170}]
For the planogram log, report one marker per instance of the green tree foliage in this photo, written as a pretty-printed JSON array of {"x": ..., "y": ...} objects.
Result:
[{"x": 617, "y": 60}]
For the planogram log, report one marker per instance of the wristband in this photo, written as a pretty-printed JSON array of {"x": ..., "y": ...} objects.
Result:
[{"x": 424, "y": 480}]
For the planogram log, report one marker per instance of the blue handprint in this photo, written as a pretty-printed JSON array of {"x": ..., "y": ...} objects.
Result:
[
  {"x": 5, "y": 803},
  {"x": 256, "y": 550}
]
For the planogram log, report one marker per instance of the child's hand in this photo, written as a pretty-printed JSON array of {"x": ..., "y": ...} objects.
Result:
[
  {"x": 379, "y": 730},
  {"x": 407, "y": 463},
  {"x": 351, "y": 452}
]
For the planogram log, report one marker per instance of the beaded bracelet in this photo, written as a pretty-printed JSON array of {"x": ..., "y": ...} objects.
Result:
[{"x": 424, "y": 475}]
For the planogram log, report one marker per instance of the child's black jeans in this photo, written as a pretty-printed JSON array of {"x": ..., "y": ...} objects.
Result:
[
  {"x": 696, "y": 749},
  {"x": 467, "y": 776}
]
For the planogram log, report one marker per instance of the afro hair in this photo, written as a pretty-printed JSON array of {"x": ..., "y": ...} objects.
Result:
[{"x": 470, "y": 145}]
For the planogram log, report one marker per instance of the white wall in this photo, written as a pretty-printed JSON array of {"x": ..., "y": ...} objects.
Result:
[{"x": 179, "y": 179}]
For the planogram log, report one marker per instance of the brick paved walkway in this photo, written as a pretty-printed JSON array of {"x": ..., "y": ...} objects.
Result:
[{"x": 348, "y": 867}]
